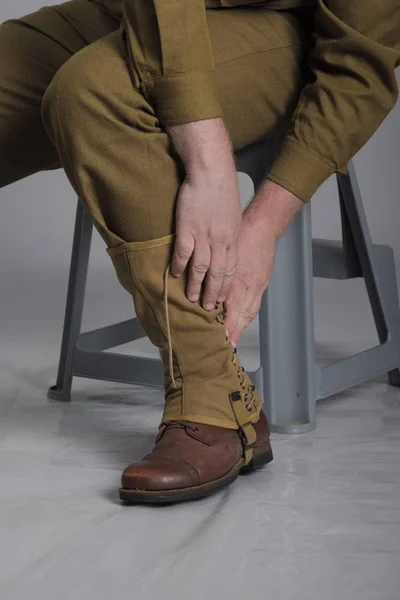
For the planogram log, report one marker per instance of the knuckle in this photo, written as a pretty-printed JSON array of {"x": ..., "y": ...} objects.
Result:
[
  {"x": 199, "y": 268},
  {"x": 216, "y": 275},
  {"x": 184, "y": 252},
  {"x": 230, "y": 272}
]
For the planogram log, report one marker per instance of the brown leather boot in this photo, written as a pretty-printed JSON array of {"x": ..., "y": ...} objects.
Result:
[
  {"x": 212, "y": 409},
  {"x": 192, "y": 460}
]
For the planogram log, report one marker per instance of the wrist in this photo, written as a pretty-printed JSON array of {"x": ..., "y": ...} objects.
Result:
[
  {"x": 204, "y": 146},
  {"x": 272, "y": 208}
]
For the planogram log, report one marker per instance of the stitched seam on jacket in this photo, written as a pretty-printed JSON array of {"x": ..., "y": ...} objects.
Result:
[{"x": 217, "y": 64}]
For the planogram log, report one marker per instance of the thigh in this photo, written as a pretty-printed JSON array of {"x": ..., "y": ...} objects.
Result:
[
  {"x": 259, "y": 57},
  {"x": 32, "y": 49}
]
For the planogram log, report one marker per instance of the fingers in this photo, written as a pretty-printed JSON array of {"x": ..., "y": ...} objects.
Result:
[
  {"x": 246, "y": 317},
  {"x": 183, "y": 250},
  {"x": 230, "y": 272},
  {"x": 243, "y": 305},
  {"x": 215, "y": 276},
  {"x": 199, "y": 265},
  {"x": 215, "y": 267}
]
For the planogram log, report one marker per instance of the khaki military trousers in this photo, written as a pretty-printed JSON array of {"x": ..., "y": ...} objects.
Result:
[{"x": 66, "y": 99}]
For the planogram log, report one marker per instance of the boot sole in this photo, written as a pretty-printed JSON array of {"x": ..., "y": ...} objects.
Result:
[{"x": 130, "y": 496}]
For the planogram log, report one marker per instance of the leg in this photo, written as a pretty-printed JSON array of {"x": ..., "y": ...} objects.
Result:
[
  {"x": 123, "y": 165},
  {"x": 32, "y": 49}
]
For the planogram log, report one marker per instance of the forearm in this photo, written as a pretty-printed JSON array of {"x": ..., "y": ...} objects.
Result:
[
  {"x": 272, "y": 209},
  {"x": 203, "y": 146}
]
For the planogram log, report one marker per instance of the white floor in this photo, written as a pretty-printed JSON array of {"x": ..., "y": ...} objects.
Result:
[{"x": 322, "y": 522}]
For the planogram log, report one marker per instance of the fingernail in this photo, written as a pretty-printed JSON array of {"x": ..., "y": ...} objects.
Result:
[
  {"x": 209, "y": 306},
  {"x": 233, "y": 344},
  {"x": 227, "y": 333},
  {"x": 193, "y": 298}
]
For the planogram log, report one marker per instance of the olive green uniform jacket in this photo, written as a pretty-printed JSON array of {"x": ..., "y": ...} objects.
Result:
[{"x": 350, "y": 89}]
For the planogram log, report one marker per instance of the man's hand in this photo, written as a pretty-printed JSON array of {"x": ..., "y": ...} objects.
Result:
[
  {"x": 264, "y": 221},
  {"x": 208, "y": 217},
  {"x": 208, "y": 212}
]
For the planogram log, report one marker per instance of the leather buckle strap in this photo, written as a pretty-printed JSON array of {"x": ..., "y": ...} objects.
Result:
[{"x": 247, "y": 433}]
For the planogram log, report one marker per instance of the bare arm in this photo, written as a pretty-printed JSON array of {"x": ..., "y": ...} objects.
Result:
[{"x": 202, "y": 145}]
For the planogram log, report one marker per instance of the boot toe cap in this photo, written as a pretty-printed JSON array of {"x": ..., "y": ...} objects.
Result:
[{"x": 156, "y": 476}]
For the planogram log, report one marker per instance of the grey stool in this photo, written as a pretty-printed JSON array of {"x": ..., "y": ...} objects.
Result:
[{"x": 288, "y": 377}]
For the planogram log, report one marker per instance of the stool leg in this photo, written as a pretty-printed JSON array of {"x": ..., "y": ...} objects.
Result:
[
  {"x": 286, "y": 321},
  {"x": 379, "y": 275},
  {"x": 388, "y": 284},
  {"x": 74, "y": 306}
]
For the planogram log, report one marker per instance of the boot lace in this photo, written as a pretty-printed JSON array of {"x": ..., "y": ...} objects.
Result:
[
  {"x": 248, "y": 390},
  {"x": 166, "y": 425}
]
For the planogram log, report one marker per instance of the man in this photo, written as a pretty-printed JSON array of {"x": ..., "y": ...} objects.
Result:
[{"x": 143, "y": 102}]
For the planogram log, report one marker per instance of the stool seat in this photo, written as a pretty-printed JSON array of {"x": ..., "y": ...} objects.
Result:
[{"x": 288, "y": 377}]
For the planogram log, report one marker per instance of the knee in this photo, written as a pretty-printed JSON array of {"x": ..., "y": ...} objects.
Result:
[{"x": 70, "y": 94}]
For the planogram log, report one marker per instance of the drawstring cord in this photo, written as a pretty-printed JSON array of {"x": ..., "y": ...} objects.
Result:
[{"x": 170, "y": 355}]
